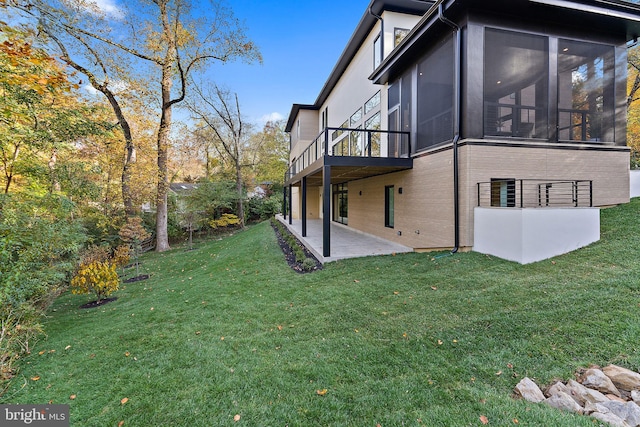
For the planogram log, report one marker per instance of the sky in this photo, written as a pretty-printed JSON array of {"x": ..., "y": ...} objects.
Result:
[{"x": 300, "y": 42}]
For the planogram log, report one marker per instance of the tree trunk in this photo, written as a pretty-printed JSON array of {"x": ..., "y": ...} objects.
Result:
[
  {"x": 239, "y": 191},
  {"x": 162, "y": 237}
]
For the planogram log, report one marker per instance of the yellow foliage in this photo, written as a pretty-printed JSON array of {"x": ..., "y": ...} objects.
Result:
[
  {"x": 98, "y": 277},
  {"x": 121, "y": 255},
  {"x": 225, "y": 220}
]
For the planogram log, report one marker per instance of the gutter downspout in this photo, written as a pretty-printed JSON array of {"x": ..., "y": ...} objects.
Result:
[
  {"x": 379, "y": 18},
  {"x": 456, "y": 123}
]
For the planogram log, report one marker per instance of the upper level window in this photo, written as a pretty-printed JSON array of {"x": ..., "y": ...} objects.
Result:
[
  {"x": 435, "y": 96},
  {"x": 377, "y": 52},
  {"x": 398, "y": 35},
  {"x": 372, "y": 103},
  {"x": 516, "y": 81},
  {"x": 585, "y": 91}
]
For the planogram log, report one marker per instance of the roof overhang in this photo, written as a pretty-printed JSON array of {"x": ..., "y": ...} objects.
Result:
[
  {"x": 617, "y": 17},
  {"x": 295, "y": 110}
]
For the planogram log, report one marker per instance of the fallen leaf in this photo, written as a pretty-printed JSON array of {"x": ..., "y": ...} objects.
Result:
[
  {"x": 509, "y": 365},
  {"x": 484, "y": 420},
  {"x": 439, "y": 342},
  {"x": 498, "y": 373},
  {"x": 396, "y": 292},
  {"x": 515, "y": 421},
  {"x": 236, "y": 418},
  {"x": 67, "y": 347},
  {"x": 434, "y": 288},
  {"x": 321, "y": 392},
  {"x": 124, "y": 400},
  {"x": 42, "y": 352},
  {"x": 127, "y": 354},
  {"x": 357, "y": 281},
  {"x": 35, "y": 378},
  {"x": 72, "y": 397},
  {"x": 121, "y": 423},
  {"x": 221, "y": 338},
  {"x": 455, "y": 341},
  {"x": 279, "y": 327}
]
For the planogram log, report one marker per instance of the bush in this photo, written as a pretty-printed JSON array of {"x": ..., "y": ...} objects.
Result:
[
  {"x": 261, "y": 208},
  {"x": 98, "y": 277},
  {"x": 308, "y": 264},
  {"x": 226, "y": 220},
  {"x": 39, "y": 246}
]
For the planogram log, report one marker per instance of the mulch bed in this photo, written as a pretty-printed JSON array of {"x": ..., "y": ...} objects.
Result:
[
  {"x": 290, "y": 256},
  {"x": 98, "y": 303}
]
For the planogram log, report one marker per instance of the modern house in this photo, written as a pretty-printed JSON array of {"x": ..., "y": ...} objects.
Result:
[{"x": 492, "y": 125}]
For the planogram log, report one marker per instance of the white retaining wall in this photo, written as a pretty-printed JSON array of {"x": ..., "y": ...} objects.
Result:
[{"x": 530, "y": 235}]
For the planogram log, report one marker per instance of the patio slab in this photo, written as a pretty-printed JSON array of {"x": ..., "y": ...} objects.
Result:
[{"x": 345, "y": 242}]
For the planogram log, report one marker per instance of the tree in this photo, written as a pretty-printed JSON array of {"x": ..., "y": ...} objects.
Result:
[
  {"x": 39, "y": 114},
  {"x": 170, "y": 38},
  {"x": 219, "y": 111},
  {"x": 272, "y": 155}
]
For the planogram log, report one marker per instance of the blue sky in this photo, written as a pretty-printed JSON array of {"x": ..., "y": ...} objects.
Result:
[{"x": 300, "y": 42}]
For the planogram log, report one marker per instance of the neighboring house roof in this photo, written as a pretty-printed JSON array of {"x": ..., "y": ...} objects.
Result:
[{"x": 182, "y": 187}]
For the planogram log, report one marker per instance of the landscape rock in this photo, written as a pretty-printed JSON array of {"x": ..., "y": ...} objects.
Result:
[
  {"x": 622, "y": 378},
  {"x": 629, "y": 412},
  {"x": 556, "y": 388},
  {"x": 610, "y": 418},
  {"x": 529, "y": 391},
  {"x": 596, "y": 379},
  {"x": 635, "y": 396},
  {"x": 584, "y": 395},
  {"x": 616, "y": 398},
  {"x": 563, "y": 401}
]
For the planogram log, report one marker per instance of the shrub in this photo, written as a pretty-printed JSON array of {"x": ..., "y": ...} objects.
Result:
[
  {"x": 121, "y": 256},
  {"x": 308, "y": 264},
  {"x": 98, "y": 277},
  {"x": 226, "y": 220}
]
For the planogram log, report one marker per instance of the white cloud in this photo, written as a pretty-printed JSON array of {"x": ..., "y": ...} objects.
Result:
[
  {"x": 116, "y": 87},
  {"x": 271, "y": 117},
  {"x": 109, "y": 8}
]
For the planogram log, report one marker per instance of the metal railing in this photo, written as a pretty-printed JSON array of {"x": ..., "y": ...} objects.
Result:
[
  {"x": 533, "y": 193},
  {"x": 353, "y": 143}
]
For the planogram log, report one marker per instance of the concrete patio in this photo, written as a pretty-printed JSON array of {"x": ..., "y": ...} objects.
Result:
[{"x": 345, "y": 242}]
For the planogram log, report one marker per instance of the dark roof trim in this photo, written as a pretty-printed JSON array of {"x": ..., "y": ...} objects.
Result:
[
  {"x": 613, "y": 9},
  {"x": 295, "y": 110},
  {"x": 366, "y": 24}
]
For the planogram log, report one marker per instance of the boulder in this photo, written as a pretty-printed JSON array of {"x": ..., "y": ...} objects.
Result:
[
  {"x": 557, "y": 387},
  {"x": 596, "y": 379},
  {"x": 529, "y": 391},
  {"x": 611, "y": 419},
  {"x": 622, "y": 378},
  {"x": 561, "y": 400},
  {"x": 635, "y": 396},
  {"x": 629, "y": 412},
  {"x": 584, "y": 395}
]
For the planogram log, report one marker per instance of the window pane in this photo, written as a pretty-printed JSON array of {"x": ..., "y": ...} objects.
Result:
[
  {"x": 435, "y": 96},
  {"x": 516, "y": 75},
  {"x": 389, "y": 206},
  {"x": 372, "y": 103},
  {"x": 356, "y": 117},
  {"x": 585, "y": 91},
  {"x": 374, "y": 124},
  {"x": 398, "y": 35},
  {"x": 377, "y": 52}
]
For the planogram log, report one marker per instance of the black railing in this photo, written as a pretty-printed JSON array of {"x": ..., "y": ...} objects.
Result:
[
  {"x": 533, "y": 193},
  {"x": 353, "y": 143}
]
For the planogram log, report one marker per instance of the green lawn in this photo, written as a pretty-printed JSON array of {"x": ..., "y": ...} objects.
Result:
[{"x": 228, "y": 329}]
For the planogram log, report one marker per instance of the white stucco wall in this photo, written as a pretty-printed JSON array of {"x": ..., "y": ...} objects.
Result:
[
  {"x": 634, "y": 176},
  {"x": 530, "y": 235}
]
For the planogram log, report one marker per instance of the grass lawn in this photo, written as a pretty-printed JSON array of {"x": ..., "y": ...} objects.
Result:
[{"x": 228, "y": 329}]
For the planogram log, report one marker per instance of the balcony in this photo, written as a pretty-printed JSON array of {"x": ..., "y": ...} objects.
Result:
[{"x": 353, "y": 154}]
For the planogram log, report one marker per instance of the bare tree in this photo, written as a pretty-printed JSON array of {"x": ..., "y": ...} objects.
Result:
[{"x": 219, "y": 111}]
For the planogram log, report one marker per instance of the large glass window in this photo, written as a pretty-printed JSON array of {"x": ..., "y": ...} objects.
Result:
[
  {"x": 341, "y": 203},
  {"x": 516, "y": 76},
  {"x": 435, "y": 96},
  {"x": 585, "y": 91}
]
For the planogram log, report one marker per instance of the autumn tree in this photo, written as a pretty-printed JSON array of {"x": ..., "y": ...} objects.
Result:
[
  {"x": 40, "y": 116},
  {"x": 171, "y": 41}
]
